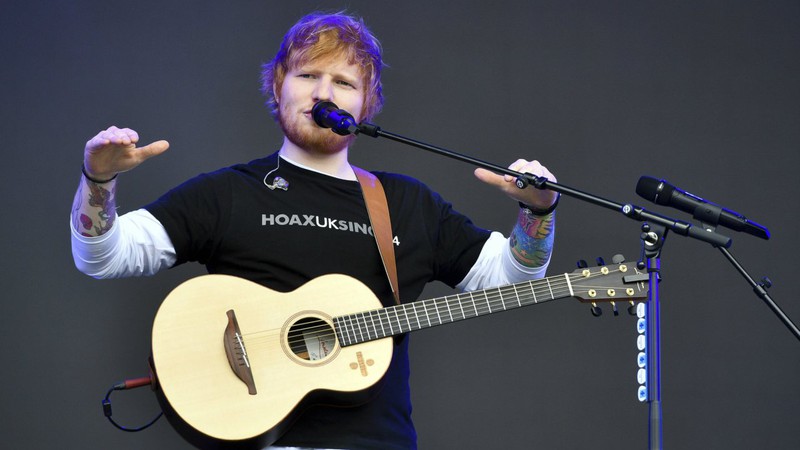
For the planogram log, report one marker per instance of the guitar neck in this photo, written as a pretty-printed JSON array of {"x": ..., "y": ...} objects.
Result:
[{"x": 380, "y": 323}]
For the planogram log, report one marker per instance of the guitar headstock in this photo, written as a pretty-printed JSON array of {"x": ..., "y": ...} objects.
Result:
[{"x": 619, "y": 281}]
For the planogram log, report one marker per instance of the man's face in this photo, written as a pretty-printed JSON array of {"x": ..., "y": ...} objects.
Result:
[{"x": 330, "y": 79}]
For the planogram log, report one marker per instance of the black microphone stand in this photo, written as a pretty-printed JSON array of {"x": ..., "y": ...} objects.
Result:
[
  {"x": 654, "y": 233},
  {"x": 759, "y": 288},
  {"x": 523, "y": 180},
  {"x": 653, "y": 237}
]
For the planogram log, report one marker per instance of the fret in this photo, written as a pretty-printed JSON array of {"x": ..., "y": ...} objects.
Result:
[
  {"x": 486, "y": 299},
  {"x": 427, "y": 313},
  {"x": 419, "y": 317},
  {"x": 363, "y": 326},
  {"x": 349, "y": 328},
  {"x": 502, "y": 300},
  {"x": 383, "y": 314},
  {"x": 461, "y": 306},
  {"x": 474, "y": 306},
  {"x": 411, "y": 326},
  {"x": 397, "y": 319},
  {"x": 569, "y": 284},
  {"x": 449, "y": 313},
  {"x": 337, "y": 330},
  {"x": 367, "y": 327},
  {"x": 516, "y": 294},
  {"x": 343, "y": 330},
  {"x": 354, "y": 327},
  {"x": 533, "y": 291},
  {"x": 438, "y": 316},
  {"x": 550, "y": 288},
  {"x": 358, "y": 322},
  {"x": 378, "y": 332},
  {"x": 424, "y": 313},
  {"x": 372, "y": 321},
  {"x": 435, "y": 304},
  {"x": 425, "y": 310},
  {"x": 416, "y": 317},
  {"x": 405, "y": 312}
]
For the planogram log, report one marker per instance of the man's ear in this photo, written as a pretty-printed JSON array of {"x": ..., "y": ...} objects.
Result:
[{"x": 275, "y": 93}]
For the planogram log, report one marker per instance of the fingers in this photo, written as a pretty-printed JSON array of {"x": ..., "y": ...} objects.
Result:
[
  {"x": 531, "y": 167},
  {"x": 114, "y": 150},
  {"x": 153, "y": 149},
  {"x": 520, "y": 165},
  {"x": 489, "y": 177},
  {"x": 121, "y": 136},
  {"x": 113, "y": 136},
  {"x": 507, "y": 183}
]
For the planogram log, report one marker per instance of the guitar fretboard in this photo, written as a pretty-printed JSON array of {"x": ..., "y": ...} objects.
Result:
[{"x": 380, "y": 323}]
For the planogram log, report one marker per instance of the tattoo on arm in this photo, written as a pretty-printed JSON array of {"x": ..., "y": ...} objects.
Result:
[
  {"x": 93, "y": 211},
  {"x": 532, "y": 239}
]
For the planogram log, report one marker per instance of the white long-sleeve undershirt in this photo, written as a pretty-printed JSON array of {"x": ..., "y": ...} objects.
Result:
[{"x": 138, "y": 245}]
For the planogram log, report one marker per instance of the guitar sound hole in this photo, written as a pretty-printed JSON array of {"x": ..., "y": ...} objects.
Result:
[{"x": 311, "y": 339}]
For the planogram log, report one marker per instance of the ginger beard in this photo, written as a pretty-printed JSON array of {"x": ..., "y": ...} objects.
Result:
[{"x": 302, "y": 131}]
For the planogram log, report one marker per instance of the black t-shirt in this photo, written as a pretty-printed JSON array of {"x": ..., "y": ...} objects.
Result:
[{"x": 232, "y": 223}]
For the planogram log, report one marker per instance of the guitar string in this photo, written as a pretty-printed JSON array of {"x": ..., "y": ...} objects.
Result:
[
  {"x": 420, "y": 312},
  {"x": 490, "y": 302},
  {"x": 480, "y": 303},
  {"x": 443, "y": 303}
]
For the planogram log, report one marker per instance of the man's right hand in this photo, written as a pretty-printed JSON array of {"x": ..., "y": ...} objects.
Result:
[{"x": 114, "y": 150}]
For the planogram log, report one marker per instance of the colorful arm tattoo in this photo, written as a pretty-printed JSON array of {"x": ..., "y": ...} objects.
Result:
[
  {"x": 93, "y": 211},
  {"x": 532, "y": 239}
]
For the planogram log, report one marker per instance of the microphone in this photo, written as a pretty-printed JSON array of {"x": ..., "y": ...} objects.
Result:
[
  {"x": 328, "y": 115},
  {"x": 662, "y": 193}
]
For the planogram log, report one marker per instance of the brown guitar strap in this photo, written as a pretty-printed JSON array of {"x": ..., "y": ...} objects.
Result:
[{"x": 378, "y": 211}]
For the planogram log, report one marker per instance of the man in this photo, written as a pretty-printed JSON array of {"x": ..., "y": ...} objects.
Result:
[{"x": 298, "y": 214}]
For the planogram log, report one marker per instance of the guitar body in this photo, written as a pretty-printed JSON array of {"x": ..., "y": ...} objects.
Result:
[
  {"x": 219, "y": 394},
  {"x": 237, "y": 363}
]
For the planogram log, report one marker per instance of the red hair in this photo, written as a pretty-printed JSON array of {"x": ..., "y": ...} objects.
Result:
[{"x": 318, "y": 36}]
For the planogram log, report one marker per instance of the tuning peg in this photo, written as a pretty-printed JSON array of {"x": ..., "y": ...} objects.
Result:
[
  {"x": 765, "y": 283},
  {"x": 632, "y": 309},
  {"x": 600, "y": 261},
  {"x": 617, "y": 259},
  {"x": 596, "y": 310},
  {"x": 582, "y": 264},
  {"x": 614, "y": 308}
]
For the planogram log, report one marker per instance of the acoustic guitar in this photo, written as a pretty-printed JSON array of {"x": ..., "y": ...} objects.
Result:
[{"x": 237, "y": 363}]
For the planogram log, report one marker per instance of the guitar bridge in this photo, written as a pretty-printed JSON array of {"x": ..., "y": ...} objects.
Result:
[{"x": 237, "y": 354}]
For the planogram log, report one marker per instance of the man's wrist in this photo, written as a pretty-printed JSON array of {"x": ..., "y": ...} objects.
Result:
[
  {"x": 540, "y": 212},
  {"x": 96, "y": 180}
]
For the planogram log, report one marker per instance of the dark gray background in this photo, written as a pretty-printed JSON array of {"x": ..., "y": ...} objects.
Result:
[{"x": 702, "y": 93}]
